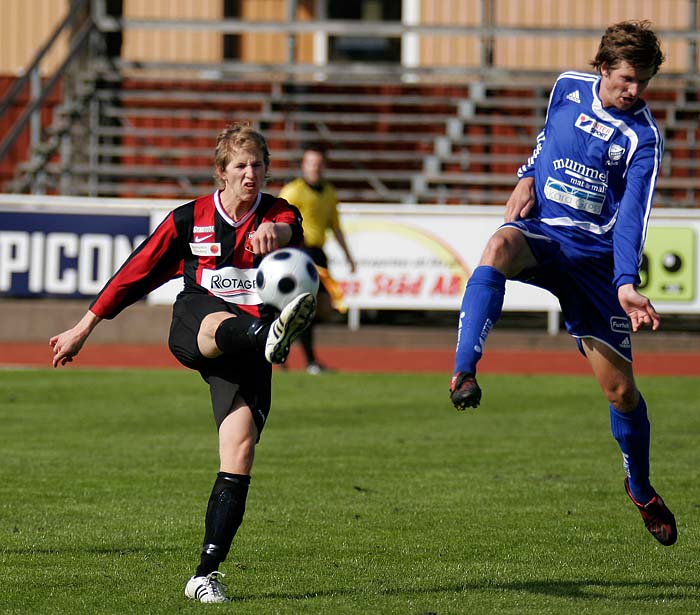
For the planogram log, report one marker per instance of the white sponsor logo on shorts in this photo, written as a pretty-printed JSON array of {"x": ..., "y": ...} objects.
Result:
[{"x": 618, "y": 324}]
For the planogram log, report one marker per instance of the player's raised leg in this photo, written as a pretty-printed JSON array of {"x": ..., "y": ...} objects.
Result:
[
  {"x": 506, "y": 254},
  {"x": 481, "y": 308}
]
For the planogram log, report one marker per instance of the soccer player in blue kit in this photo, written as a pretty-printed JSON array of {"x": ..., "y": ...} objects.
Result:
[{"x": 575, "y": 225}]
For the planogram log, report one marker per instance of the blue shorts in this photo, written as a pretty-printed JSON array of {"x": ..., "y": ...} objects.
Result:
[{"x": 582, "y": 280}]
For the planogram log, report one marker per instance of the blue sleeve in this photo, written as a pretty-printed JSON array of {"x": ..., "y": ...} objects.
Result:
[{"x": 630, "y": 228}]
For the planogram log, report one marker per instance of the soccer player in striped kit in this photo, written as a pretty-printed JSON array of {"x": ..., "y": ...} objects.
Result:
[
  {"x": 219, "y": 327},
  {"x": 575, "y": 225}
]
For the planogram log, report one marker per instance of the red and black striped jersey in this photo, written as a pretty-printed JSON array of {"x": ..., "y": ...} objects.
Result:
[{"x": 201, "y": 242}]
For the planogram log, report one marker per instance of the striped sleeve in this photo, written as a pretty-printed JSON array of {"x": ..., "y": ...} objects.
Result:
[{"x": 150, "y": 265}]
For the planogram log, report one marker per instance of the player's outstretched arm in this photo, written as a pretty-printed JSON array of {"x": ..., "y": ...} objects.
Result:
[
  {"x": 68, "y": 344},
  {"x": 638, "y": 308},
  {"x": 340, "y": 238}
]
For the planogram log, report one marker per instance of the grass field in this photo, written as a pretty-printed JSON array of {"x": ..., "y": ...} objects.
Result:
[{"x": 369, "y": 495}]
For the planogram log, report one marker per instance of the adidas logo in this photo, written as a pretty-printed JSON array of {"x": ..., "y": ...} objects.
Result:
[
  {"x": 625, "y": 343},
  {"x": 573, "y": 96}
]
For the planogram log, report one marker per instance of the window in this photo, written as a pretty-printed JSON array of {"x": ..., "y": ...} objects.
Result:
[
  {"x": 232, "y": 42},
  {"x": 347, "y": 48}
]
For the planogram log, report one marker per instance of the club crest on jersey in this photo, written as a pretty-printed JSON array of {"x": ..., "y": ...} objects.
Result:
[
  {"x": 615, "y": 154},
  {"x": 205, "y": 249},
  {"x": 594, "y": 127},
  {"x": 248, "y": 242}
]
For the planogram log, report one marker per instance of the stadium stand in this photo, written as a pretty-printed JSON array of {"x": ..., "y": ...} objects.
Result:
[{"x": 396, "y": 143}]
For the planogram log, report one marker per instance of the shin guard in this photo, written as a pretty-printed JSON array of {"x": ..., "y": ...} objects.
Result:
[
  {"x": 481, "y": 308},
  {"x": 224, "y": 516},
  {"x": 632, "y": 432}
]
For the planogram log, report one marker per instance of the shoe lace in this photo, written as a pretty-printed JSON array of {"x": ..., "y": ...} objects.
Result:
[{"x": 215, "y": 585}]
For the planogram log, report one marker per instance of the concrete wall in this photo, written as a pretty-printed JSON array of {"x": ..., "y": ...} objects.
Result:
[{"x": 32, "y": 320}]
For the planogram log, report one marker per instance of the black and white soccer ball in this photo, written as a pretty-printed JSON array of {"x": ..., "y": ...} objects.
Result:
[{"x": 284, "y": 274}]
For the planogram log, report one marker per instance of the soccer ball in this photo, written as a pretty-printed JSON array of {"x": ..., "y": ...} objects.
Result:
[{"x": 285, "y": 274}]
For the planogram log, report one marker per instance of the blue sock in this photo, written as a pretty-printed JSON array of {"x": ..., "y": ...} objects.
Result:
[
  {"x": 631, "y": 430},
  {"x": 481, "y": 308}
]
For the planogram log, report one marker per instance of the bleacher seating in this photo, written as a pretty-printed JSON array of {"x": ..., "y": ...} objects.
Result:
[{"x": 408, "y": 143}]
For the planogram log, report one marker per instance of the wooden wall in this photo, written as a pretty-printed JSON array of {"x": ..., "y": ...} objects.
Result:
[{"x": 26, "y": 25}]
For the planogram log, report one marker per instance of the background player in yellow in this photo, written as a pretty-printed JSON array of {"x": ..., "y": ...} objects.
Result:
[{"x": 317, "y": 200}]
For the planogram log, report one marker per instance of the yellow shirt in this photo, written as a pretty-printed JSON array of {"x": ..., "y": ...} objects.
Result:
[{"x": 318, "y": 209}]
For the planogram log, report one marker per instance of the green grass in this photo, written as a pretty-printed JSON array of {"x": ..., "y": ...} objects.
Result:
[{"x": 369, "y": 495}]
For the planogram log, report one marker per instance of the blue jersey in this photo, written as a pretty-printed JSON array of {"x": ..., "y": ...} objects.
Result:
[{"x": 595, "y": 171}]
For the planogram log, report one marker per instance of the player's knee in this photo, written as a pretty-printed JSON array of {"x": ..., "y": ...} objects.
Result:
[
  {"x": 237, "y": 456},
  {"x": 206, "y": 337},
  {"x": 237, "y": 439},
  {"x": 246, "y": 451},
  {"x": 623, "y": 397},
  {"x": 495, "y": 250},
  {"x": 504, "y": 252}
]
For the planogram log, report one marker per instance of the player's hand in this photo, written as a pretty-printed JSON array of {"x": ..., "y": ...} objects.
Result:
[
  {"x": 638, "y": 308},
  {"x": 521, "y": 200},
  {"x": 66, "y": 345},
  {"x": 270, "y": 236}
]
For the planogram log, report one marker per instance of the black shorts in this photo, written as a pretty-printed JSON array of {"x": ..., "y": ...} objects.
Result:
[{"x": 248, "y": 373}]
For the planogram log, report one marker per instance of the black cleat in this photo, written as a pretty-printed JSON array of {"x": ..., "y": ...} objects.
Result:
[
  {"x": 658, "y": 519},
  {"x": 464, "y": 391}
]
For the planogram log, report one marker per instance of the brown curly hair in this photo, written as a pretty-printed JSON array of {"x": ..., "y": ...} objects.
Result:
[{"x": 633, "y": 42}]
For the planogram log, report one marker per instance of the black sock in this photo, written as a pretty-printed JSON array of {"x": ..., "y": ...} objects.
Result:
[
  {"x": 242, "y": 332},
  {"x": 224, "y": 516},
  {"x": 207, "y": 565}
]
